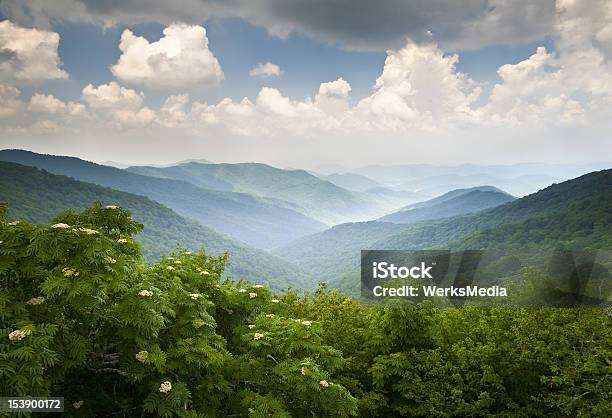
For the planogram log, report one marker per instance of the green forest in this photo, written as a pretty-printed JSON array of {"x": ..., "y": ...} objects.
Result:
[{"x": 83, "y": 316}]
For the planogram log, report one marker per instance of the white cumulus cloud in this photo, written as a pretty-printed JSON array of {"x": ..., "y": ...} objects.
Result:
[
  {"x": 419, "y": 87},
  {"x": 266, "y": 69},
  {"x": 9, "y": 101},
  {"x": 111, "y": 95},
  {"x": 28, "y": 55},
  {"x": 121, "y": 105},
  {"x": 179, "y": 59}
]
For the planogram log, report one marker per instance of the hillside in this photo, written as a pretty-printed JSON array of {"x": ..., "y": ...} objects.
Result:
[
  {"x": 451, "y": 204},
  {"x": 328, "y": 253},
  {"x": 577, "y": 211},
  {"x": 447, "y": 196},
  {"x": 37, "y": 196},
  {"x": 303, "y": 192},
  {"x": 257, "y": 222}
]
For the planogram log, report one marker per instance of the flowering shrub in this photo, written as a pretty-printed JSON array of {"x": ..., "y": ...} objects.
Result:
[{"x": 81, "y": 316}]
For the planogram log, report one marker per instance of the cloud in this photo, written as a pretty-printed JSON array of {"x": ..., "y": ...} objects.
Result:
[
  {"x": 9, "y": 102},
  {"x": 28, "y": 55},
  {"x": 173, "y": 111},
  {"x": 123, "y": 106},
  {"x": 572, "y": 86},
  {"x": 180, "y": 59},
  {"x": 333, "y": 96},
  {"x": 419, "y": 87},
  {"x": 111, "y": 96},
  {"x": 265, "y": 70},
  {"x": 419, "y": 93},
  {"x": 47, "y": 103},
  {"x": 357, "y": 24}
]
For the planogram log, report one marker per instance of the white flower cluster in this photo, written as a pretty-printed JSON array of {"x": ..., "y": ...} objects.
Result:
[
  {"x": 188, "y": 253},
  {"x": 258, "y": 286},
  {"x": 13, "y": 223},
  {"x": 68, "y": 272},
  {"x": 242, "y": 291},
  {"x": 165, "y": 387},
  {"x": 145, "y": 293},
  {"x": 270, "y": 315},
  {"x": 178, "y": 262},
  {"x": 252, "y": 295},
  {"x": 251, "y": 326},
  {"x": 258, "y": 336},
  {"x": 122, "y": 241},
  {"x": 194, "y": 296},
  {"x": 304, "y": 371},
  {"x": 19, "y": 334},
  {"x": 169, "y": 268},
  {"x": 307, "y": 323},
  {"x": 111, "y": 207},
  {"x": 142, "y": 356},
  {"x": 275, "y": 301},
  {"x": 88, "y": 231},
  {"x": 203, "y": 272},
  {"x": 111, "y": 260},
  {"x": 60, "y": 226},
  {"x": 78, "y": 404},
  {"x": 36, "y": 301},
  {"x": 324, "y": 383}
]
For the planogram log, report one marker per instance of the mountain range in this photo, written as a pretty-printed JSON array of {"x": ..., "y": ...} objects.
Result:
[
  {"x": 296, "y": 190},
  {"x": 517, "y": 179},
  {"x": 576, "y": 212},
  {"x": 256, "y": 221},
  {"x": 36, "y": 195},
  {"x": 247, "y": 208}
]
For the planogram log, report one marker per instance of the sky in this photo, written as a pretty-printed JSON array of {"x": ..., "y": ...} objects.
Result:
[{"x": 306, "y": 83}]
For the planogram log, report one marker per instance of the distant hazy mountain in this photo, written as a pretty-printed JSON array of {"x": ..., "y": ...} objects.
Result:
[
  {"x": 114, "y": 164},
  {"x": 520, "y": 186},
  {"x": 457, "y": 202},
  {"x": 299, "y": 190},
  {"x": 37, "y": 196},
  {"x": 258, "y": 222},
  {"x": 448, "y": 196},
  {"x": 350, "y": 181},
  {"x": 516, "y": 179},
  {"x": 575, "y": 211},
  {"x": 192, "y": 160}
]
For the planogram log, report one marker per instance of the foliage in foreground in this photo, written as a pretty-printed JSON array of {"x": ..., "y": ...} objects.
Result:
[{"x": 82, "y": 317}]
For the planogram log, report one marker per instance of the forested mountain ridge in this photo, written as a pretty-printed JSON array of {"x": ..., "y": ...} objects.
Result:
[
  {"x": 35, "y": 195},
  {"x": 308, "y": 194},
  {"x": 577, "y": 209},
  {"x": 449, "y": 195},
  {"x": 257, "y": 222},
  {"x": 469, "y": 202}
]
